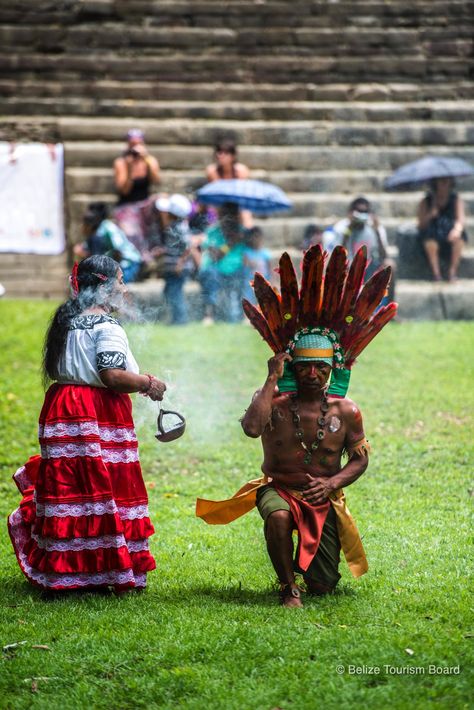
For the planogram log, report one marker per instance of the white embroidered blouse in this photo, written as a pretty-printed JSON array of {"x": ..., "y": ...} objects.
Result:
[{"x": 94, "y": 343}]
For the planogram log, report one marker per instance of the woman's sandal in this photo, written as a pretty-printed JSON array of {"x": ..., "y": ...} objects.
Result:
[{"x": 290, "y": 595}]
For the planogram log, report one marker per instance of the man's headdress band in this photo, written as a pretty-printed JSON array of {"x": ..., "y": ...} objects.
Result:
[{"x": 313, "y": 353}]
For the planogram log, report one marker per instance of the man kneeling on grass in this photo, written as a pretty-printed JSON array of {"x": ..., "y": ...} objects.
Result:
[
  {"x": 316, "y": 332},
  {"x": 303, "y": 437}
]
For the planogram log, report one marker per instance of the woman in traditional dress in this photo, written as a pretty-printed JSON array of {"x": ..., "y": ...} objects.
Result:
[{"x": 83, "y": 521}]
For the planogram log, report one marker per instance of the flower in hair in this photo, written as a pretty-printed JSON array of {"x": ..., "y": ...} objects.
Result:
[{"x": 73, "y": 280}]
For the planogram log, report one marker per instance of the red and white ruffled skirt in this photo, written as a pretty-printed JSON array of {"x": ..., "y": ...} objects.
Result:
[{"x": 83, "y": 520}]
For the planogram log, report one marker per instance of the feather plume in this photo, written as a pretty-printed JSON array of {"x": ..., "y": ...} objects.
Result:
[
  {"x": 269, "y": 302},
  {"x": 259, "y": 323},
  {"x": 336, "y": 301},
  {"x": 311, "y": 286},
  {"x": 289, "y": 297},
  {"x": 333, "y": 284},
  {"x": 369, "y": 298},
  {"x": 375, "y": 325},
  {"x": 352, "y": 287}
]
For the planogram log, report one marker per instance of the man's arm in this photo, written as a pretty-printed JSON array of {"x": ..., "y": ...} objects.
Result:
[
  {"x": 318, "y": 489},
  {"x": 259, "y": 412}
]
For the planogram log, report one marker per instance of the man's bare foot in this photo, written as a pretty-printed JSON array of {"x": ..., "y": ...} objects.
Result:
[{"x": 290, "y": 595}]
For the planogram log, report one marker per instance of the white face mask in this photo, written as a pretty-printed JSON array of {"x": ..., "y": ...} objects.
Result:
[{"x": 360, "y": 216}]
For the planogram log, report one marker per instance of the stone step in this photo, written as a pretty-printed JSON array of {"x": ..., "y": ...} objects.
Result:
[
  {"x": 340, "y": 41},
  {"x": 158, "y": 90},
  {"x": 420, "y": 300},
  {"x": 195, "y": 132},
  {"x": 242, "y": 14},
  {"x": 252, "y": 133},
  {"x": 275, "y": 158},
  {"x": 196, "y": 66},
  {"x": 34, "y": 275},
  {"x": 373, "y": 113},
  {"x": 100, "y": 180}
]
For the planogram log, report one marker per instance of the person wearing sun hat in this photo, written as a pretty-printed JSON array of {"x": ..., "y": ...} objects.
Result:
[{"x": 176, "y": 251}]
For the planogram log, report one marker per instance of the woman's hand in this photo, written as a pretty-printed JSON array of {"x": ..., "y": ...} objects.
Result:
[
  {"x": 454, "y": 234},
  {"x": 156, "y": 389}
]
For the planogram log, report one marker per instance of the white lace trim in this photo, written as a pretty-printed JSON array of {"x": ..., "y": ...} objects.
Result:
[
  {"x": 133, "y": 512},
  {"x": 116, "y": 434},
  {"x": 138, "y": 545},
  {"x": 75, "y": 510},
  {"x": 91, "y": 428},
  {"x": 77, "y": 544},
  {"x": 90, "y": 449},
  {"x": 22, "y": 479},
  {"x": 69, "y": 451},
  {"x": 120, "y": 455},
  {"x": 50, "y": 580}
]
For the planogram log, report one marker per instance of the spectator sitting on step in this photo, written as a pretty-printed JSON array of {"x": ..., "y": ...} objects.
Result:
[
  {"x": 226, "y": 167},
  {"x": 441, "y": 220},
  {"x": 222, "y": 265},
  {"x": 312, "y": 234},
  {"x": 102, "y": 236},
  {"x": 179, "y": 257},
  {"x": 135, "y": 170},
  {"x": 255, "y": 258},
  {"x": 361, "y": 227}
]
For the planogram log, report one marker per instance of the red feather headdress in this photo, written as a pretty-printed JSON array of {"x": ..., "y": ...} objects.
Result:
[{"x": 334, "y": 300}]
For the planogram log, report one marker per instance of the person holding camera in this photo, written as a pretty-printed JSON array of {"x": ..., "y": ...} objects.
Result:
[
  {"x": 360, "y": 228},
  {"x": 135, "y": 170}
]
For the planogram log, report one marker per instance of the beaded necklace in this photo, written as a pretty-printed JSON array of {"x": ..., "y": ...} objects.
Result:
[{"x": 293, "y": 407}]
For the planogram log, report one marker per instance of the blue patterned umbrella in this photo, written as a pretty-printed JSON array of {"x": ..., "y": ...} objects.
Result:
[
  {"x": 428, "y": 168},
  {"x": 259, "y": 197}
]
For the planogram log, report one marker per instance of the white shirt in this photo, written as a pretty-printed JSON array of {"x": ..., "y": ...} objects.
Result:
[
  {"x": 364, "y": 235},
  {"x": 94, "y": 343}
]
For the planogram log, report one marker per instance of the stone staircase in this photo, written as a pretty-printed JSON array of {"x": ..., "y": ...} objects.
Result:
[{"x": 325, "y": 98}]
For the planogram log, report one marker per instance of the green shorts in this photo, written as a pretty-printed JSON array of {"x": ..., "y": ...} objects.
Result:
[{"x": 324, "y": 567}]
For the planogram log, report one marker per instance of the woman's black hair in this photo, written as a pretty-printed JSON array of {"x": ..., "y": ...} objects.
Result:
[
  {"x": 93, "y": 272},
  {"x": 226, "y": 145},
  {"x": 359, "y": 202},
  {"x": 96, "y": 213}
]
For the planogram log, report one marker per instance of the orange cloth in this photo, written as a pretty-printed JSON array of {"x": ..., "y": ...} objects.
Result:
[{"x": 221, "y": 512}]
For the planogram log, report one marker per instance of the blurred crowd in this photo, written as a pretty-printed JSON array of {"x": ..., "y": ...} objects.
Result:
[{"x": 174, "y": 237}]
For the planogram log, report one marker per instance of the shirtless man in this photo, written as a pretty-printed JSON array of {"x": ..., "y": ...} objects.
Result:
[{"x": 303, "y": 438}]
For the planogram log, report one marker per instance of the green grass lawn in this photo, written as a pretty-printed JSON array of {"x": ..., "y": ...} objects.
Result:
[{"x": 208, "y": 632}]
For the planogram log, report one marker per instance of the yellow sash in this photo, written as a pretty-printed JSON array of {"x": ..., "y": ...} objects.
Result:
[{"x": 221, "y": 512}]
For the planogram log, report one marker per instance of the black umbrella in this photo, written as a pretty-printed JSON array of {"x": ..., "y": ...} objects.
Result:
[{"x": 428, "y": 168}]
